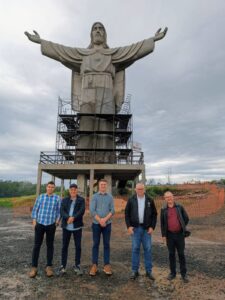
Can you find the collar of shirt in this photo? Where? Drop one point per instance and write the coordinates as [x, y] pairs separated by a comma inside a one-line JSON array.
[[141, 198], [100, 193], [49, 195], [73, 199]]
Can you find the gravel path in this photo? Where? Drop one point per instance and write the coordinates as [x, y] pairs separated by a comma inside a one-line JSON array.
[[205, 262]]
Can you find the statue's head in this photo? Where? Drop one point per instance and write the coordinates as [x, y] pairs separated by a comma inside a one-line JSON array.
[[98, 35]]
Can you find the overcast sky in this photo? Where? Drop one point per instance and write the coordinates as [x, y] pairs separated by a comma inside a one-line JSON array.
[[178, 92]]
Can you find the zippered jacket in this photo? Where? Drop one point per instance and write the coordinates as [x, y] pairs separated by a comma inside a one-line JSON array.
[[131, 213], [78, 211], [182, 216]]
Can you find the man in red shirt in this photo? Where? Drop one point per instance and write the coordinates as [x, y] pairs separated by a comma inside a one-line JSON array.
[[173, 226]]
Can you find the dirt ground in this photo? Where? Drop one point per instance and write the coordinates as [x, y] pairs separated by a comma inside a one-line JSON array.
[[205, 252]]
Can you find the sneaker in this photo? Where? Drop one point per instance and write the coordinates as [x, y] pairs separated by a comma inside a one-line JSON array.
[[78, 270], [171, 276], [33, 272], [107, 269], [184, 278], [150, 276], [134, 275], [61, 271], [93, 270], [49, 271]]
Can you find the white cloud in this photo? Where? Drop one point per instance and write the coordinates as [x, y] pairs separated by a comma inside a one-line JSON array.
[[178, 91]]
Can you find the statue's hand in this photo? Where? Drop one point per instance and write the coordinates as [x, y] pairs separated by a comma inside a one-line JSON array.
[[33, 37], [160, 34]]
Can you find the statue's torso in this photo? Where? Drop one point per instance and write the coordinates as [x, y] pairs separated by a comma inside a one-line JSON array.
[[97, 62]]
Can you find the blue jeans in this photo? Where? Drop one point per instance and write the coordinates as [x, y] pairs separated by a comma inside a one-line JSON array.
[[141, 236], [97, 230]]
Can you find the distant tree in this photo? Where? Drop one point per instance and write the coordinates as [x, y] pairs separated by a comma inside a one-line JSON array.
[[151, 181], [10, 188]]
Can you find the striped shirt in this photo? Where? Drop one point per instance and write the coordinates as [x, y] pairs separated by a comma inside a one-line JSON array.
[[46, 210]]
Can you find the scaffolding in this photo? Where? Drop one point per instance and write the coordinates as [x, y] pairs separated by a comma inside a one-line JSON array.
[[116, 160], [68, 134]]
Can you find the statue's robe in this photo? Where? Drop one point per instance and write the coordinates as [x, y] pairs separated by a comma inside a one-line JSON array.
[[98, 85]]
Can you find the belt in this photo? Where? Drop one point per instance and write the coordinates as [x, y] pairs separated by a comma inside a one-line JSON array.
[[180, 231]]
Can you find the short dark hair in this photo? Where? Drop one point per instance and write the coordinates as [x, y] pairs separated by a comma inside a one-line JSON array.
[[51, 183], [103, 180]]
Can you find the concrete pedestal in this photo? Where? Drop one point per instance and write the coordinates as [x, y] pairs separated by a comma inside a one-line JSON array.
[[91, 172]]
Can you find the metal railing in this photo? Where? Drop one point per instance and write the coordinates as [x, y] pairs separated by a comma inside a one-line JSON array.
[[88, 157]]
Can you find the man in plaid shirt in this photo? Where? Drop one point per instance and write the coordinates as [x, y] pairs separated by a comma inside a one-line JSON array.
[[46, 216]]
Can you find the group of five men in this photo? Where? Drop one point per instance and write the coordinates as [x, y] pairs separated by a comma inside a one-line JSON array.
[[140, 218]]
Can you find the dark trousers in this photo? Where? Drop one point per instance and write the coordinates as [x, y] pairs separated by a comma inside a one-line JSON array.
[[77, 235], [97, 230], [40, 230], [176, 241]]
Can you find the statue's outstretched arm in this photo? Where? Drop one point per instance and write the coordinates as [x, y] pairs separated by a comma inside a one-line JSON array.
[[33, 37], [160, 34]]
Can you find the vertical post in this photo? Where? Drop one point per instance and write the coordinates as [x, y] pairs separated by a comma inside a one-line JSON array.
[[85, 186], [91, 183], [108, 177], [62, 188], [136, 181], [143, 178], [133, 186], [53, 178], [81, 184], [39, 177]]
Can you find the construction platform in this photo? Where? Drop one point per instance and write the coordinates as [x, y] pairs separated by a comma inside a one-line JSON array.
[[119, 162]]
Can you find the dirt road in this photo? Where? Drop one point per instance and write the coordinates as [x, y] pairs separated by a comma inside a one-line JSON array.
[[205, 251]]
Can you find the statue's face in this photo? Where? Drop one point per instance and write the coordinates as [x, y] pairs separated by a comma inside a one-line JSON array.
[[98, 34]]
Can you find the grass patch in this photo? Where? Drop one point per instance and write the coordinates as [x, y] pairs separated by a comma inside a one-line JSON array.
[[17, 201], [6, 202], [154, 191]]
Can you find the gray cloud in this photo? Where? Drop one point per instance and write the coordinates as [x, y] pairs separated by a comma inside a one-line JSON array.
[[178, 91]]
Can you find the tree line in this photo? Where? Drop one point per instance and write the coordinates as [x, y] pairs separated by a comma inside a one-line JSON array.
[[10, 188]]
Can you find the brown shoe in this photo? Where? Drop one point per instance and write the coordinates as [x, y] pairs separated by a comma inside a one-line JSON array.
[[107, 270], [49, 271], [33, 272], [93, 270]]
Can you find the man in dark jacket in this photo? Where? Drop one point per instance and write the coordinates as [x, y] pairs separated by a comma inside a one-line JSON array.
[[173, 226], [141, 217], [72, 211]]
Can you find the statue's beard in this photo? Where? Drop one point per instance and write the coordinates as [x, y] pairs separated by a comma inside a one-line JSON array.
[[98, 39]]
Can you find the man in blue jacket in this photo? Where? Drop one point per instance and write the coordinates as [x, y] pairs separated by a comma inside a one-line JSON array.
[[72, 211], [140, 218]]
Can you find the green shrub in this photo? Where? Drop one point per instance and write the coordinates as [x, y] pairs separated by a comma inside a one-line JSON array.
[[154, 191]]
